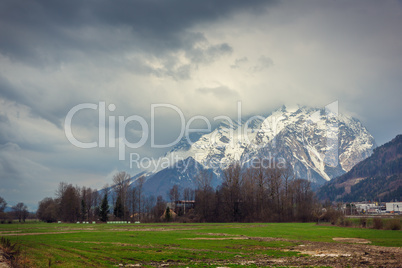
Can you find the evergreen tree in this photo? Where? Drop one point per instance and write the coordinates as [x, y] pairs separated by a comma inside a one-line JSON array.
[[83, 210], [104, 209], [118, 208], [167, 214]]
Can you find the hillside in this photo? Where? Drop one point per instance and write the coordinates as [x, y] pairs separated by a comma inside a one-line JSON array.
[[378, 177]]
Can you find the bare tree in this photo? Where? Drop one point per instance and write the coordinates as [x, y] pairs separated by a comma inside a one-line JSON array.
[[20, 211], [121, 182], [47, 210], [148, 205], [204, 180], [68, 202], [274, 177], [139, 183], [133, 202], [287, 177], [3, 204], [261, 182], [159, 208], [174, 193], [248, 193], [204, 196], [231, 192], [188, 195], [96, 201], [303, 199]]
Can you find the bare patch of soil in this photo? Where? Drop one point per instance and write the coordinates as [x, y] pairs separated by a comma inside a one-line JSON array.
[[6, 232], [351, 240], [108, 243], [20, 234], [361, 255], [217, 238], [153, 229], [77, 229], [339, 254], [219, 234], [347, 252]]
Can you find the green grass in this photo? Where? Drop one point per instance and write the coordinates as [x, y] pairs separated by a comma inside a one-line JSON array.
[[107, 245]]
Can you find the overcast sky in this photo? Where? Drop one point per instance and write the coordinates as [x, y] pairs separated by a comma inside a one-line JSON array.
[[200, 56]]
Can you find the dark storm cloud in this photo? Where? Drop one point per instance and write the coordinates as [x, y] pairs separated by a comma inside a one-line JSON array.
[[30, 29], [45, 34]]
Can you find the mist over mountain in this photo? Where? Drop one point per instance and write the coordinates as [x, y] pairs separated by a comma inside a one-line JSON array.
[[319, 144]]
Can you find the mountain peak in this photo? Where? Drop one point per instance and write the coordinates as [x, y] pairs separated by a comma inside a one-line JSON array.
[[319, 145]]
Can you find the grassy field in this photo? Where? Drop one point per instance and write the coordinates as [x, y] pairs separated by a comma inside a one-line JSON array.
[[186, 245]]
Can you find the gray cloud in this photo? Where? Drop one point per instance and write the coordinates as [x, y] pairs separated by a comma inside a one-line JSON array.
[[51, 34], [264, 62], [33, 96], [239, 62], [35, 28], [195, 54], [209, 54], [4, 119], [8, 91]]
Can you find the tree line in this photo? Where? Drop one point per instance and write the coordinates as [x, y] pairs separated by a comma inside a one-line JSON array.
[[116, 202], [259, 193]]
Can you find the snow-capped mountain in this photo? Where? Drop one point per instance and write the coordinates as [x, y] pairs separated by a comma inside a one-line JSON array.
[[320, 144]]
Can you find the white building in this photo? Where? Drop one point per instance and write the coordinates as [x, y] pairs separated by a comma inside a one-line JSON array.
[[394, 206], [363, 207]]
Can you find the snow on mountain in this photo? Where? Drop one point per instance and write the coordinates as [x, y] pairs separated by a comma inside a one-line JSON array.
[[224, 145], [320, 144]]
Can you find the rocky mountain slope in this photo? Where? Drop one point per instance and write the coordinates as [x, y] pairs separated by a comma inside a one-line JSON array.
[[378, 177], [320, 144]]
